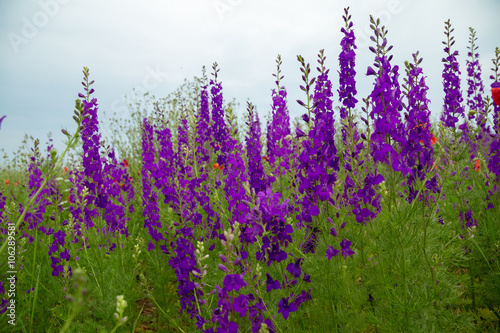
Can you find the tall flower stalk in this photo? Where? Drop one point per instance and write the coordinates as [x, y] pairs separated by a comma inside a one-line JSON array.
[[258, 179], [418, 151], [475, 84], [451, 82], [388, 133], [279, 148]]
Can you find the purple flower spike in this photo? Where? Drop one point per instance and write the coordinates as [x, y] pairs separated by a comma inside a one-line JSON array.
[[451, 83]]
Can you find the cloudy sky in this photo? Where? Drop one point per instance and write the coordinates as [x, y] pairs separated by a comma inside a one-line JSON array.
[[153, 45]]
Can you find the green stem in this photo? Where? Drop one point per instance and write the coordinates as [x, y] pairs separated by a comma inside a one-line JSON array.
[[33, 274]]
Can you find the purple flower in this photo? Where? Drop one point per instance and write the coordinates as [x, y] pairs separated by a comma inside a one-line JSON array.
[[347, 74], [151, 211], [258, 179], [345, 246], [233, 282], [451, 83], [331, 252], [295, 269], [279, 148], [285, 308], [272, 284], [386, 104], [417, 151], [318, 161], [65, 255], [240, 305], [183, 261], [203, 129], [219, 130], [467, 220]]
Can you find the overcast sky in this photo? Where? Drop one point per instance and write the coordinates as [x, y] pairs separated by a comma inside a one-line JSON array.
[[155, 44]]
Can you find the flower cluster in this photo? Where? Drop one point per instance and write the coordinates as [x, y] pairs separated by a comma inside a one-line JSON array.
[[318, 160], [219, 130], [451, 83], [203, 129], [278, 129], [347, 73], [258, 179], [418, 151], [386, 104]]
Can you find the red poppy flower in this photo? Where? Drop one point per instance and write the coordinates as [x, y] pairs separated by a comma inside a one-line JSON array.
[[16, 183], [66, 170], [216, 165], [221, 167], [266, 158], [477, 165], [433, 139], [7, 182], [495, 93], [125, 162]]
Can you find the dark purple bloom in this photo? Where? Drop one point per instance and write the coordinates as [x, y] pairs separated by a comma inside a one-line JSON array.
[[295, 269], [467, 220], [345, 246], [240, 305], [331, 252], [285, 308], [272, 284], [1, 119], [233, 282]]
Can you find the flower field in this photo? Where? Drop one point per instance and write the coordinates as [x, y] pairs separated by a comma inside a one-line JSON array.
[[362, 215]]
